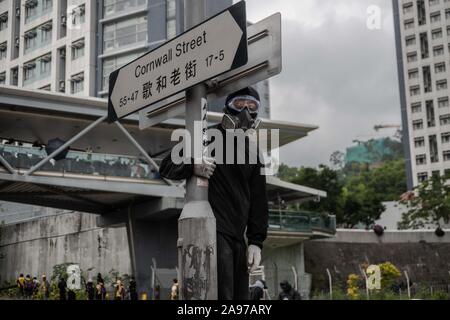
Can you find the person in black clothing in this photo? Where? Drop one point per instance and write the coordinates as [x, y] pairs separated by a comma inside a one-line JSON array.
[[237, 194], [62, 286], [288, 293], [100, 292], [71, 295], [132, 289], [90, 290], [257, 290]]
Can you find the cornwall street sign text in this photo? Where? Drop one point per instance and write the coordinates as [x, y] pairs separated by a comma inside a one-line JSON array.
[[212, 48]]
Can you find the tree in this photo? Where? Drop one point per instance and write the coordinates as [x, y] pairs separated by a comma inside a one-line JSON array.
[[355, 193], [337, 159], [323, 178], [430, 205]]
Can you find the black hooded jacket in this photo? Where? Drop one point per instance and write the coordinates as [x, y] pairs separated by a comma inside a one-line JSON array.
[[237, 194]]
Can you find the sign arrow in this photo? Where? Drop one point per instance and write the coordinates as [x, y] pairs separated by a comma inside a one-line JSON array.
[[212, 48]]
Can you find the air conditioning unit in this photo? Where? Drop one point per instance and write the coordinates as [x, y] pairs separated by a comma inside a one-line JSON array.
[[18, 12], [17, 42], [63, 20], [62, 85], [62, 53]]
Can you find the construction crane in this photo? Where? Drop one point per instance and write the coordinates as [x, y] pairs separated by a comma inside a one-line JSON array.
[[387, 126], [398, 134]]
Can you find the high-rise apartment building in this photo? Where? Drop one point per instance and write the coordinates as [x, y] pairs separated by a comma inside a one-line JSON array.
[[72, 46], [422, 31]]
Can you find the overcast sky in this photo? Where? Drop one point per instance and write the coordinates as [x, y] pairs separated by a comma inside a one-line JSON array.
[[337, 73]]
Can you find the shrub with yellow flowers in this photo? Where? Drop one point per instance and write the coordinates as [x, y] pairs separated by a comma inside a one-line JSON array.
[[389, 275], [353, 286]]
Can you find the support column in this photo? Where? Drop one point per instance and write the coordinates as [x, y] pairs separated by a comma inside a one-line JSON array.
[[197, 256], [148, 239], [304, 279]]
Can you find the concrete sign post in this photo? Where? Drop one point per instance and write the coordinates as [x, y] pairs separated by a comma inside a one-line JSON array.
[[207, 50], [197, 253]]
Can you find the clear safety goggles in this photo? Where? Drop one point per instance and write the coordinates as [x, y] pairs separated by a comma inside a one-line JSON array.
[[240, 102]]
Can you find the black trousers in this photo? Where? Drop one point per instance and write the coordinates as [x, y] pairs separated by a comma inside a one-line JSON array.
[[232, 275]]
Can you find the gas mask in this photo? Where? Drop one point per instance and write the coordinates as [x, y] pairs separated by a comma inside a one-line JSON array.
[[241, 113]]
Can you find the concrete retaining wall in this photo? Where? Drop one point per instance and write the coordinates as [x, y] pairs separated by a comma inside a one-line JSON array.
[[422, 254], [34, 247]]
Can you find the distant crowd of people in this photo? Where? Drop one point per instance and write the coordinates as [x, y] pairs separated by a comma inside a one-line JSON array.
[[258, 289], [30, 288]]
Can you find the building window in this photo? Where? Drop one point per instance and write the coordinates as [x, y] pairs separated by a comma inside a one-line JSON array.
[[434, 2], [3, 21], [434, 155], [77, 49], [431, 122], [446, 155], [45, 65], [31, 9], [422, 177], [419, 142], [77, 83], [421, 12], [436, 174], [413, 74], [438, 50], [172, 21], [443, 102], [408, 8], [111, 64], [3, 50], [30, 40], [14, 76], [447, 173], [125, 33], [445, 119], [436, 34], [414, 91], [416, 107], [421, 159], [29, 72], [435, 17], [79, 15], [411, 57], [38, 37], [439, 67], [47, 5], [441, 85], [111, 7], [417, 124], [409, 24], [46, 32], [3, 78], [445, 137], [447, 14]]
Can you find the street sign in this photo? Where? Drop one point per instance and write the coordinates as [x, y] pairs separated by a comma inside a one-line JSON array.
[[207, 50], [264, 61]]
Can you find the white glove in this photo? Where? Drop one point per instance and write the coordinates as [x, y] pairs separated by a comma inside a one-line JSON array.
[[253, 257], [205, 169]]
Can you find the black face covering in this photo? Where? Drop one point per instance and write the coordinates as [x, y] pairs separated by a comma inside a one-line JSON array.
[[239, 120]]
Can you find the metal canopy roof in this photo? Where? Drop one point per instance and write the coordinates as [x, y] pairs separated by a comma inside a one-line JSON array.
[[28, 115], [290, 192], [87, 195]]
